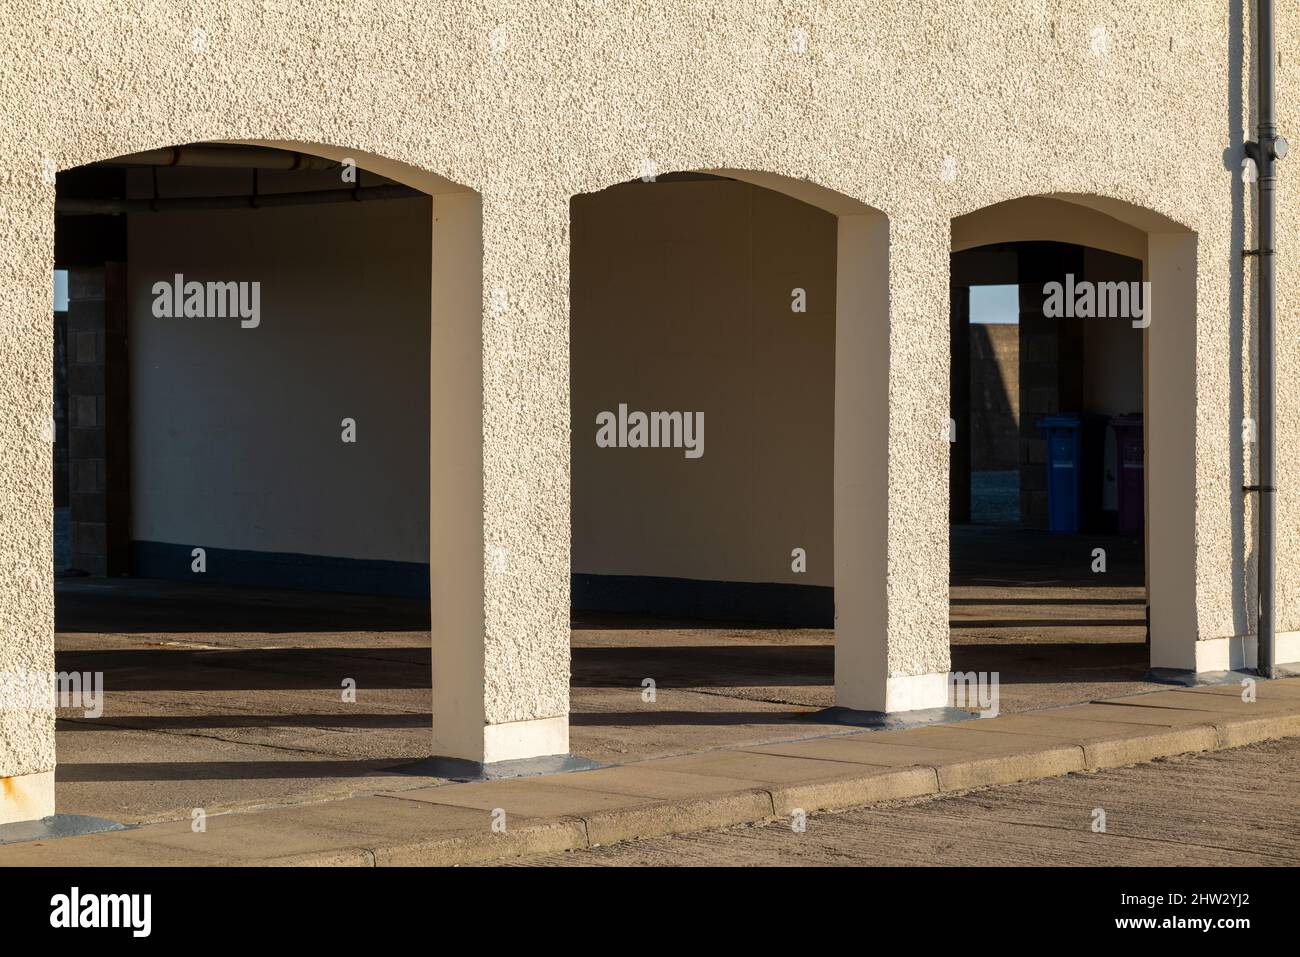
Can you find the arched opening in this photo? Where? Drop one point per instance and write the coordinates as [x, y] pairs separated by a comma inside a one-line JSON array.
[[261, 434], [729, 351], [1073, 338]]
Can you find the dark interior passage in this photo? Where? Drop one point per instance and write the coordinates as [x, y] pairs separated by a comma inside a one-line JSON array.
[[269, 406], [1014, 369], [1046, 471]]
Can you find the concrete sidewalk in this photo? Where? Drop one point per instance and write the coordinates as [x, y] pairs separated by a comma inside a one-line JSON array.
[[479, 822]]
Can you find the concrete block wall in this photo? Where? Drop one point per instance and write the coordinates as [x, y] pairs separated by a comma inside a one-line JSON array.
[[98, 417], [995, 399]]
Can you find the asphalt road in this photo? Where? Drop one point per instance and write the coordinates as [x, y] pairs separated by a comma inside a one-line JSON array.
[[1237, 807]]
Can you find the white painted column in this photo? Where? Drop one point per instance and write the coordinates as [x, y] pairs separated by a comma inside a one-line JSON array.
[[456, 477], [1172, 402], [891, 465]]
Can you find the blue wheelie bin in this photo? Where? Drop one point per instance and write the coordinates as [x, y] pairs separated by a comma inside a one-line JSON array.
[[1064, 470]]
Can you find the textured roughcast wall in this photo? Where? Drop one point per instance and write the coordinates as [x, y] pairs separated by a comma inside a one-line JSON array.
[[681, 301], [924, 111]]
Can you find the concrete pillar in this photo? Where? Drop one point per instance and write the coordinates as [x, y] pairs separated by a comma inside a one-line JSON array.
[[62, 359], [26, 515], [99, 435], [891, 464], [959, 446], [499, 515], [1170, 435]]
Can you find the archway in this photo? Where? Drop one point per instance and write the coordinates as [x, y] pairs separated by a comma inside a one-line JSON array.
[[1070, 400], [729, 360], [272, 431]]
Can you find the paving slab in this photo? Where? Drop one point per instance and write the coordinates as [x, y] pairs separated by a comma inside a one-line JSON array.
[[1003, 758], [966, 738], [1128, 713], [257, 837], [772, 769], [378, 817], [147, 777], [368, 821], [656, 782], [394, 832], [859, 749], [1108, 744], [127, 849], [1264, 690], [1046, 724], [1191, 700], [360, 832], [540, 797]]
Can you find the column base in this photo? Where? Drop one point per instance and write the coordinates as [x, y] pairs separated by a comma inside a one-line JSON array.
[[1187, 678], [899, 693], [1233, 653], [540, 737], [491, 744], [26, 797], [59, 825]]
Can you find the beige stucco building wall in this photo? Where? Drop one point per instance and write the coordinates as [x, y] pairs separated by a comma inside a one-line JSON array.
[[922, 112]]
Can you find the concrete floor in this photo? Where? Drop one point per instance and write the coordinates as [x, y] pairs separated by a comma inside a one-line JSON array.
[[1223, 808], [222, 698]]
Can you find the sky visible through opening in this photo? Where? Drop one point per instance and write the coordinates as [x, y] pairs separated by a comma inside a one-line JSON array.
[[60, 290], [995, 305]]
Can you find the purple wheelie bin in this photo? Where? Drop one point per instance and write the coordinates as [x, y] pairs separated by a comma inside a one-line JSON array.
[[1130, 462]]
